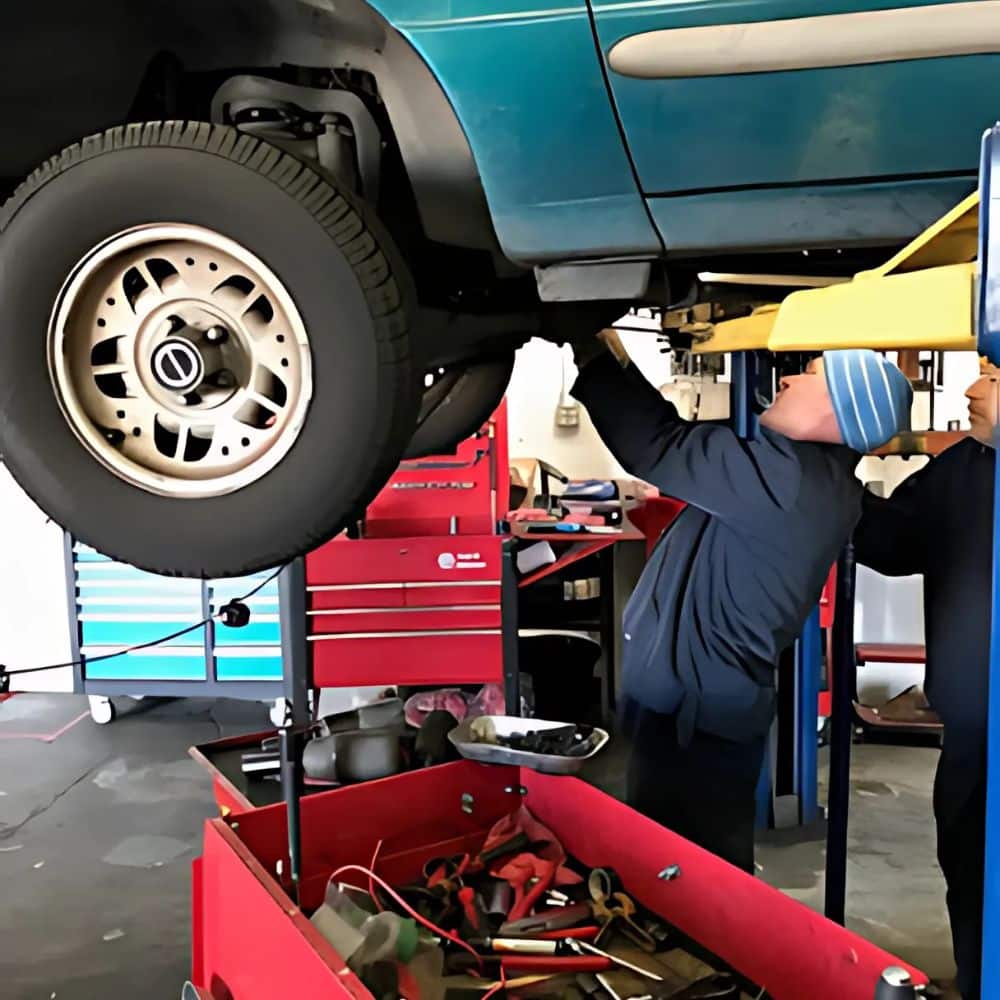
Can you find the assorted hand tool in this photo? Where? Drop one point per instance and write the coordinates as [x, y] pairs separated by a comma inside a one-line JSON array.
[[517, 911]]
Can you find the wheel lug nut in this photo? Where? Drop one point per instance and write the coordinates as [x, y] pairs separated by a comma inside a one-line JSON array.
[[217, 334]]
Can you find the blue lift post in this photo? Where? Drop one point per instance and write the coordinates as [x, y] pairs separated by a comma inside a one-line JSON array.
[[808, 661], [989, 346], [742, 374], [808, 649]]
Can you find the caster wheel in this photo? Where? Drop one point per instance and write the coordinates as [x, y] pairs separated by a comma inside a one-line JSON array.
[[278, 713], [823, 736], [103, 711]]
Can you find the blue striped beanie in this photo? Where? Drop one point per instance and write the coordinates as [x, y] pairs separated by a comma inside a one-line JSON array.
[[871, 397]]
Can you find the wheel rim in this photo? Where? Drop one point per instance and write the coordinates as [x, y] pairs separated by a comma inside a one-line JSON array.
[[180, 361]]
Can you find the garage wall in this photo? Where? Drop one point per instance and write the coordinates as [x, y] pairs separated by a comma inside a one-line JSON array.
[[34, 607]]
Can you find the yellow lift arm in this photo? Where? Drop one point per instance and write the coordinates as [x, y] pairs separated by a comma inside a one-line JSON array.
[[924, 297]]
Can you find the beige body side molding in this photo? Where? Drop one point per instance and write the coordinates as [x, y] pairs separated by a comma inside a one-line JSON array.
[[855, 39]]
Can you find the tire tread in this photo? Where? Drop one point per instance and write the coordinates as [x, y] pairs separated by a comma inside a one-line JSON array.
[[348, 222]]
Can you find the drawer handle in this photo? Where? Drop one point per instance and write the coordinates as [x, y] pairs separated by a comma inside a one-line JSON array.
[[403, 635], [316, 588], [395, 611]]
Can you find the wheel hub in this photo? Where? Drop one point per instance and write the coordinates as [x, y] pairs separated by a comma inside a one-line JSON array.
[[180, 361], [177, 365]]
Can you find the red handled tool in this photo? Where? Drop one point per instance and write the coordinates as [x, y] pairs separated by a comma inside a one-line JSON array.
[[470, 907], [555, 965], [571, 934]]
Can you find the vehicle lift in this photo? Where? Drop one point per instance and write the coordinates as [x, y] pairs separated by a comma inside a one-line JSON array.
[[940, 292]]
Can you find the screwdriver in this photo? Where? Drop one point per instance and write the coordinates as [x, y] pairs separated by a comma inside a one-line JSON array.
[[585, 946]]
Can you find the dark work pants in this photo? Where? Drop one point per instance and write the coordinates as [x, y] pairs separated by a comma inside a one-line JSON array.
[[960, 812], [705, 791]]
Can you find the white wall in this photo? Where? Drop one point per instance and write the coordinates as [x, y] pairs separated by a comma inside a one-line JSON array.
[[34, 611]]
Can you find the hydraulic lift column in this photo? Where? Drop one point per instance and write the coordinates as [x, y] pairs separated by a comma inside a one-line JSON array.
[[989, 345]]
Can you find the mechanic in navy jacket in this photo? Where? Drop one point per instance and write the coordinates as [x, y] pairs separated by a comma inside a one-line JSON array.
[[939, 523], [733, 579]]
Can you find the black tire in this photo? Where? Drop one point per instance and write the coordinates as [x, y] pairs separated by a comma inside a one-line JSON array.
[[457, 404], [340, 268]]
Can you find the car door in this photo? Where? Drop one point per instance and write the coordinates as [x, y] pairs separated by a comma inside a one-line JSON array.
[[721, 100]]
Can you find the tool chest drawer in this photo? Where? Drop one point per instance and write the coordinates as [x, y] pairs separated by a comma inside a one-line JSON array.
[[154, 664], [273, 951], [429, 657], [264, 628], [345, 621], [405, 611], [405, 562]]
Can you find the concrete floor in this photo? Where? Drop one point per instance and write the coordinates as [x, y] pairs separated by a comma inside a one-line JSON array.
[[98, 829], [895, 891], [97, 833]]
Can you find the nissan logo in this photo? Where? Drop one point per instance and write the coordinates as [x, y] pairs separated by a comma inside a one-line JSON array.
[[177, 365]]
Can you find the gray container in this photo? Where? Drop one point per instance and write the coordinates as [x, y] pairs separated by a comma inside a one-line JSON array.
[[507, 725]]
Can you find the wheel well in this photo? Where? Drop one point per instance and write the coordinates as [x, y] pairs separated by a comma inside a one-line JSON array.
[[110, 64]]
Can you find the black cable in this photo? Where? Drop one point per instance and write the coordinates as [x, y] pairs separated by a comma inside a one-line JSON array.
[[5, 673]]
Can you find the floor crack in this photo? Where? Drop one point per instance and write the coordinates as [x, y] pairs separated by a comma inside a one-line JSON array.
[[8, 831], [218, 725]]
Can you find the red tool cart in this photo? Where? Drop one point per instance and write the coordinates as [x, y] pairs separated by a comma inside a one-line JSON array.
[[252, 942]]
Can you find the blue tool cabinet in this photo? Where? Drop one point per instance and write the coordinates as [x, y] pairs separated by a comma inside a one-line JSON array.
[[115, 606]]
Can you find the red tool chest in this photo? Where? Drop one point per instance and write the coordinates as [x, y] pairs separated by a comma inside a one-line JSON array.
[[253, 943], [406, 611], [417, 599]]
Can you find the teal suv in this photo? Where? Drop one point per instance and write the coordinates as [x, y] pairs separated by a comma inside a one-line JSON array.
[[254, 252]]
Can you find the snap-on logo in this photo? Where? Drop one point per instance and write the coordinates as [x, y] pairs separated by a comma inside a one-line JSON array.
[[463, 560]]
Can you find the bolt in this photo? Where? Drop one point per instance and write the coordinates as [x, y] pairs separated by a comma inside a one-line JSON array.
[[670, 873], [217, 334]]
